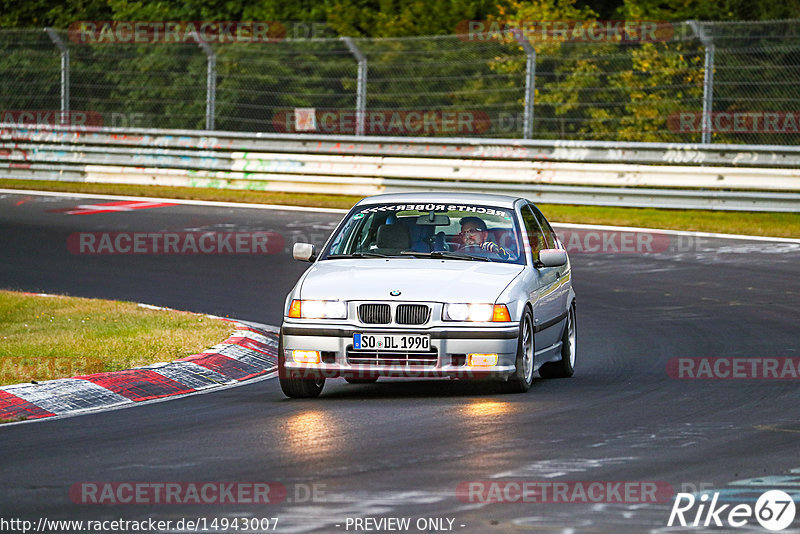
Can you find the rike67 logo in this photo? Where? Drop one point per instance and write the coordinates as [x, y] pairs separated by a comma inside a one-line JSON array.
[[774, 510]]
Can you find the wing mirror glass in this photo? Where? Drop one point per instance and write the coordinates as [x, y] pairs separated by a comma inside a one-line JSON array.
[[552, 257], [304, 252]]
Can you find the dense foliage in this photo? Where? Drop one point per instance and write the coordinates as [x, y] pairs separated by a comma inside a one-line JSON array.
[[381, 18], [583, 90]]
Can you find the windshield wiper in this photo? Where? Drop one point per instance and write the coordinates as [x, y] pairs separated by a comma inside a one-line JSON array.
[[442, 254], [358, 255]]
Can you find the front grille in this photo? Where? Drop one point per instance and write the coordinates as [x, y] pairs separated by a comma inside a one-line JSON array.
[[412, 314], [375, 313], [403, 359]]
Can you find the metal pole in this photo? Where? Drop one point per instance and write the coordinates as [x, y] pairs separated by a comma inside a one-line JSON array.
[[530, 85], [211, 91], [708, 92], [64, 74], [211, 82], [361, 89], [708, 80]]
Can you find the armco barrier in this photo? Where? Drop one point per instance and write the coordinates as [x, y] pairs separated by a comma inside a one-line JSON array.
[[727, 177]]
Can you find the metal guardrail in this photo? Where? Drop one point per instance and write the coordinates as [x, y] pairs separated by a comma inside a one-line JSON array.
[[729, 177]]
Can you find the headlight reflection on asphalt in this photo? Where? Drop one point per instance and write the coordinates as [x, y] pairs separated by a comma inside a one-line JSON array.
[[314, 431], [487, 408]]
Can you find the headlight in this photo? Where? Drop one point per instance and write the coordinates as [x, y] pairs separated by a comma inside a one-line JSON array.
[[318, 309], [482, 313]]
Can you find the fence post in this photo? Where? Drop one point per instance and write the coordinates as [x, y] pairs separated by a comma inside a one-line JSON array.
[[64, 73], [211, 82], [361, 89], [708, 79], [530, 85]]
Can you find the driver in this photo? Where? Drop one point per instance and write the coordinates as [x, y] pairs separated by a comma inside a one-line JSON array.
[[475, 234]]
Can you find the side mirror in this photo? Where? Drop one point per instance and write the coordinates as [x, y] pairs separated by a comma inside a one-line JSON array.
[[304, 252], [552, 257]]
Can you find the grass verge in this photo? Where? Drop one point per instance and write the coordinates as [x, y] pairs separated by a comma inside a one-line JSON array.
[[746, 223], [44, 338]]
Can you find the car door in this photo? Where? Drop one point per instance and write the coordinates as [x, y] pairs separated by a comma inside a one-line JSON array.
[[564, 272], [544, 287]]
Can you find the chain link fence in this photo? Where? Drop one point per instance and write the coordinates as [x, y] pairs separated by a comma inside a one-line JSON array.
[[735, 82]]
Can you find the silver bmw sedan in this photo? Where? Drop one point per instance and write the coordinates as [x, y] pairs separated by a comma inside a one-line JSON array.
[[431, 285]]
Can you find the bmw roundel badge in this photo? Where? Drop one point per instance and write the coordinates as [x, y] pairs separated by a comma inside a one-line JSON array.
[[394, 292]]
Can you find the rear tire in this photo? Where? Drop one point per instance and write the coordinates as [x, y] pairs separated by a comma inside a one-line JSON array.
[[297, 388], [522, 379], [566, 367]]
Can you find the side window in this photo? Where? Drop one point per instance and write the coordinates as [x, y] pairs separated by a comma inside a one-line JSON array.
[[535, 236], [549, 234]]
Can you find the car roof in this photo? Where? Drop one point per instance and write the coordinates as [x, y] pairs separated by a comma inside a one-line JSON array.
[[501, 201]]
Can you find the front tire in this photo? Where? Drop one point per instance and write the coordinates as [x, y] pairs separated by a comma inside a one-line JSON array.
[[294, 387], [522, 379], [566, 367]]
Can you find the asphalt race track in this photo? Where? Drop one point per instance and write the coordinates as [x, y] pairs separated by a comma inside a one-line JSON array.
[[401, 449]]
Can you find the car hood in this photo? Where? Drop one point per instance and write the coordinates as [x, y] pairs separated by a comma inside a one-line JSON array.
[[416, 280]]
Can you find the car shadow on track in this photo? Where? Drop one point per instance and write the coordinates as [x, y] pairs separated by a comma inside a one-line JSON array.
[[388, 389]]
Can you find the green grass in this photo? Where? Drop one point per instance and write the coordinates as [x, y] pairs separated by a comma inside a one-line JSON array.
[[43, 338], [747, 223]]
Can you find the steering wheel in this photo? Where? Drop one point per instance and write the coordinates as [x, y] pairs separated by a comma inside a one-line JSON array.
[[499, 252], [431, 242]]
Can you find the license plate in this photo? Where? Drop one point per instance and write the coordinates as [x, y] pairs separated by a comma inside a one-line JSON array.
[[391, 342]]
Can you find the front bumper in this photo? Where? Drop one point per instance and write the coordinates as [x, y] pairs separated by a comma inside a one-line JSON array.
[[447, 357]]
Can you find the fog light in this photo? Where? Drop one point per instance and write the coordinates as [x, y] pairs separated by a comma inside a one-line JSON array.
[[305, 356], [482, 360]]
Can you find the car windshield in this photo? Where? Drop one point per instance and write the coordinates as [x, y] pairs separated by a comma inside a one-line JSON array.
[[440, 231]]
